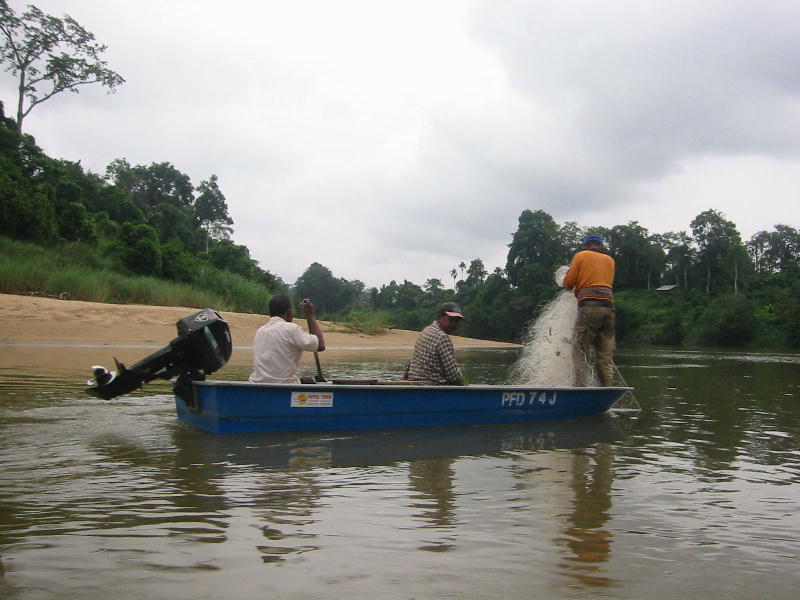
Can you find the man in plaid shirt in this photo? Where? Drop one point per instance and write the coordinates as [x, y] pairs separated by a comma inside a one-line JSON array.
[[434, 357]]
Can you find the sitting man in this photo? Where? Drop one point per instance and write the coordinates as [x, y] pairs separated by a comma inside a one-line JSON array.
[[279, 344], [434, 357]]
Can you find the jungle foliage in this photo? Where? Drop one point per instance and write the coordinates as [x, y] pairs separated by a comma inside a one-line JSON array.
[[137, 221], [716, 289], [147, 227]]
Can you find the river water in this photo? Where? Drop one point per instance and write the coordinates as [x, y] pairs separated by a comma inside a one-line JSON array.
[[697, 495]]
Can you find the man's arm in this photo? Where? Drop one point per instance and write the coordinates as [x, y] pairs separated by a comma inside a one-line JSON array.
[[313, 325], [447, 355], [571, 278]]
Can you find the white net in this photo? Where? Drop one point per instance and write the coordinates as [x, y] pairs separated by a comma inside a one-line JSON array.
[[547, 359]]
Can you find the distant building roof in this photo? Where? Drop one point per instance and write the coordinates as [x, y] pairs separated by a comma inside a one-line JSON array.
[[666, 288]]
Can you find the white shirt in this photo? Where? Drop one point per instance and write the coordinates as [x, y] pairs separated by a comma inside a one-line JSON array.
[[277, 349]]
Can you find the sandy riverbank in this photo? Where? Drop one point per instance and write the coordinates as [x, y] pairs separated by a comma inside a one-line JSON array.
[[27, 320]]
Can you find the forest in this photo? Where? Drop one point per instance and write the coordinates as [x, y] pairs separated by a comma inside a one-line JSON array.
[[146, 234], [150, 224]]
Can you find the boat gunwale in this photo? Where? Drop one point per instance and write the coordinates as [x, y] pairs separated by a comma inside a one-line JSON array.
[[401, 386]]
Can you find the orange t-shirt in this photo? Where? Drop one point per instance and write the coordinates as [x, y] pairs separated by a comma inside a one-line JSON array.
[[590, 268]]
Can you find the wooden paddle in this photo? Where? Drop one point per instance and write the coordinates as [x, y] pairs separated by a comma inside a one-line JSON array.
[[319, 376]]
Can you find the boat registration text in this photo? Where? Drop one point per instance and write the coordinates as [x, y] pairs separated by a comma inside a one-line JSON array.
[[520, 399]]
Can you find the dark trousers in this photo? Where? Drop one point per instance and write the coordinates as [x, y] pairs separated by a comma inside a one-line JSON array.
[[594, 328]]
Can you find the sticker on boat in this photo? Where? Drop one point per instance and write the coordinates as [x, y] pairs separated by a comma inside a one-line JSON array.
[[312, 399]]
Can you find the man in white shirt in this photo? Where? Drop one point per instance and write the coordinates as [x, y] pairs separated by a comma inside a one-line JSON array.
[[279, 344]]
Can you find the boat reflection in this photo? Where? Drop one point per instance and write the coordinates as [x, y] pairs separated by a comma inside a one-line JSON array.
[[309, 450]]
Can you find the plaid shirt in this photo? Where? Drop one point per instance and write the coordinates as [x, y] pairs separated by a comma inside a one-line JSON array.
[[434, 357]]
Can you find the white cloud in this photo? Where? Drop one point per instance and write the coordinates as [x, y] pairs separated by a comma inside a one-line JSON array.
[[395, 140]]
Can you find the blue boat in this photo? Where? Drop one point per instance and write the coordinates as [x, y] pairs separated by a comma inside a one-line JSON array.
[[204, 345], [242, 407]]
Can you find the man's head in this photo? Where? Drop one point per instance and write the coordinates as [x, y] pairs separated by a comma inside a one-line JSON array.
[[449, 317], [280, 305], [592, 242]]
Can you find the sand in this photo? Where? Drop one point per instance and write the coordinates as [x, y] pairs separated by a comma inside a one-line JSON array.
[[35, 320]]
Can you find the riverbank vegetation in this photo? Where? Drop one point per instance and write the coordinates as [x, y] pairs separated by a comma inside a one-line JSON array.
[[145, 234]]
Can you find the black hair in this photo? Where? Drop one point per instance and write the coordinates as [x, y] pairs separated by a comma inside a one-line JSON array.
[[279, 305]]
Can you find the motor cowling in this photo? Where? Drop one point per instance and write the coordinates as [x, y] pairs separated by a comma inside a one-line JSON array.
[[203, 346]]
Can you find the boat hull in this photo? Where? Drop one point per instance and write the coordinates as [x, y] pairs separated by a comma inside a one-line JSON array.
[[240, 407]]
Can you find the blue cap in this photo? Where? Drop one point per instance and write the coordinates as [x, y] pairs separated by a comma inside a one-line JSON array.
[[592, 238]]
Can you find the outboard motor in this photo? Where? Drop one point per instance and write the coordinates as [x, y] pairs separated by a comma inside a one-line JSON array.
[[203, 346]]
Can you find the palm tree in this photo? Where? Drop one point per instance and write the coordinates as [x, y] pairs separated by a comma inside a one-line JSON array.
[[454, 274], [462, 266]]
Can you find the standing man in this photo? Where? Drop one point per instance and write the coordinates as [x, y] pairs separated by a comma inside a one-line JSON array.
[[591, 277], [279, 344], [434, 357]]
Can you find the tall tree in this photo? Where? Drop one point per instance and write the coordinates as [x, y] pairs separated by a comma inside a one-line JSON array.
[[638, 256], [211, 210], [318, 283], [720, 249], [48, 56], [537, 245], [162, 183], [121, 174], [776, 251], [476, 273], [433, 286], [679, 256], [233, 257], [140, 250], [149, 186]]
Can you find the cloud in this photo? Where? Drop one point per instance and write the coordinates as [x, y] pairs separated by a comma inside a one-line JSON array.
[[395, 140], [652, 85]]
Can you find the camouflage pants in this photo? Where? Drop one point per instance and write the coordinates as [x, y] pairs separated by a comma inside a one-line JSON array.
[[594, 328]]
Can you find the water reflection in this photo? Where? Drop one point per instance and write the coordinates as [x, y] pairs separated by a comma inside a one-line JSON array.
[[589, 542], [122, 495]]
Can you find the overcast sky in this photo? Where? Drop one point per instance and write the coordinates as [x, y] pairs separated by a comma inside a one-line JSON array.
[[394, 140]]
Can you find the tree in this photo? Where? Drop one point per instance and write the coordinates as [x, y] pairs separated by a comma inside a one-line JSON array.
[[776, 251], [408, 294], [211, 210], [536, 242], [433, 286], [48, 56], [638, 257], [350, 293], [679, 256], [75, 224], [476, 273], [730, 321], [454, 274], [172, 222], [161, 183], [571, 234], [720, 249], [140, 250], [121, 174], [318, 283], [232, 257]]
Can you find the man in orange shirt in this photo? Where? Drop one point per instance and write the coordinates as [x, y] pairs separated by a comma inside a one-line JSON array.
[[591, 277]]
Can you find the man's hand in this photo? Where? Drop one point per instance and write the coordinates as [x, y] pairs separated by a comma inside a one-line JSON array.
[[313, 324], [308, 309]]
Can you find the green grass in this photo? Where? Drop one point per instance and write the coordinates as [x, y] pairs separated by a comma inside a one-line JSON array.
[[81, 273], [369, 322]]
